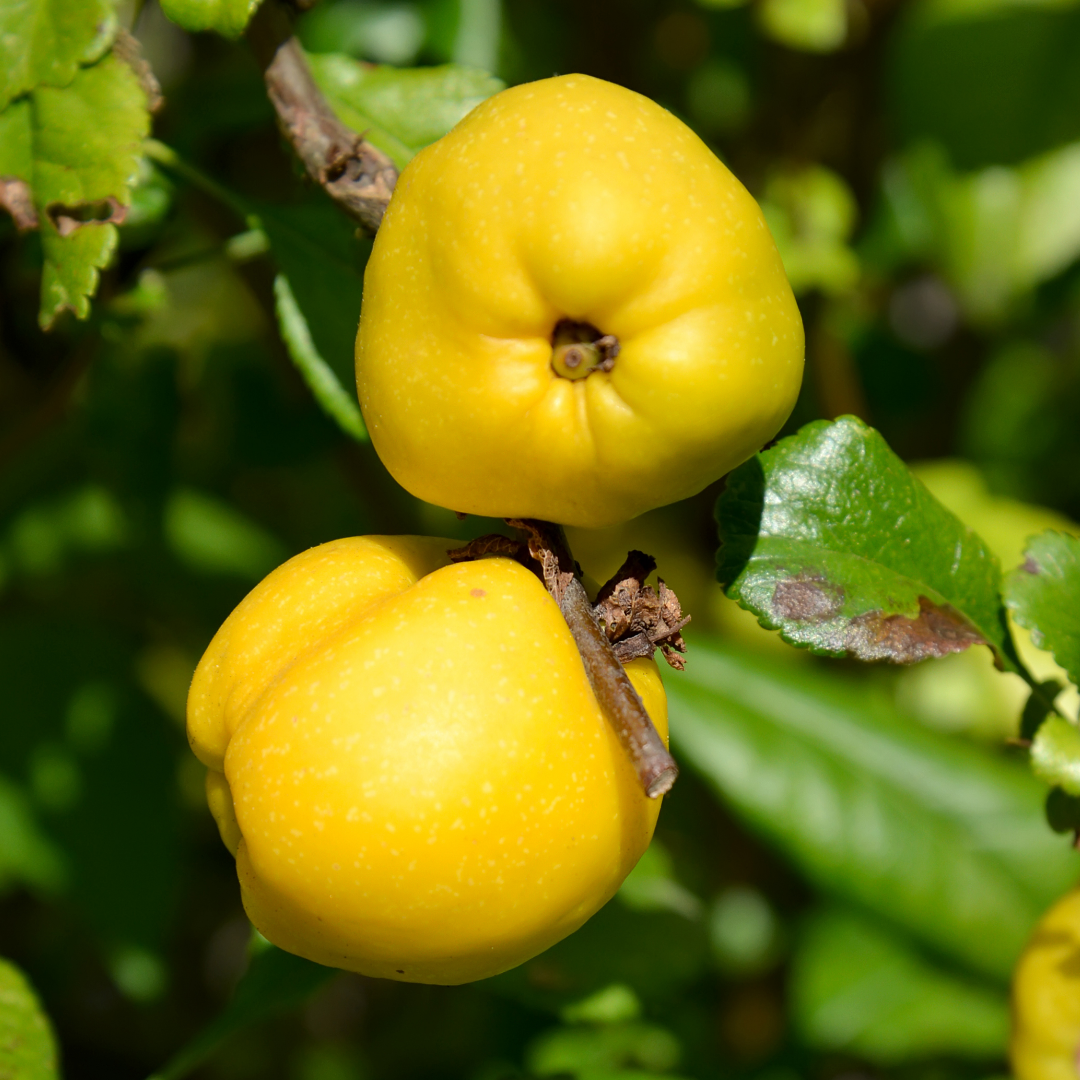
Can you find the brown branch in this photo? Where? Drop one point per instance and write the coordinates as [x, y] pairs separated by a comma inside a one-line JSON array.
[[357, 176], [614, 692]]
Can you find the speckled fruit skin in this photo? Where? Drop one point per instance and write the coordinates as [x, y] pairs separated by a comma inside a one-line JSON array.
[[409, 765], [1046, 997], [572, 198]]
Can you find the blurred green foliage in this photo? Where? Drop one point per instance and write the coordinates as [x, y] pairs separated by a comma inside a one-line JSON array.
[[852, 857]]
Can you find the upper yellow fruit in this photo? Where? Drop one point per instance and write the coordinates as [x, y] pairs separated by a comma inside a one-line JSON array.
[[1046, 997], [408, 763], [557, 211]]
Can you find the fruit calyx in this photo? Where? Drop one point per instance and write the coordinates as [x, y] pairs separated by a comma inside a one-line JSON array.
[[629, 620], [578, 349]]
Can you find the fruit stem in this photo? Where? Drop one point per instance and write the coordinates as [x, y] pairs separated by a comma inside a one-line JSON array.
[[357, 176], [614, 692], [616, 695]]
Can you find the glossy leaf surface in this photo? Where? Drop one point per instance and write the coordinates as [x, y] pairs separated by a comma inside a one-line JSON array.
[[932, 834], [829, 538]]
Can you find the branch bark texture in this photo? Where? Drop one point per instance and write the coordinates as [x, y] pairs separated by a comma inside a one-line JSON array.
[[356, 175], [614, 691]]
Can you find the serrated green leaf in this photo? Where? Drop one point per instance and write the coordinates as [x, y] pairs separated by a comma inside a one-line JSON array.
[[27, 1045], [316, 372], [1055, 754], [860, 988], [1044, 596], [227, 17], [16, 144], [936, 836], [43, 42], [275, 982], [400, 110], [86, 141], [829, 538]]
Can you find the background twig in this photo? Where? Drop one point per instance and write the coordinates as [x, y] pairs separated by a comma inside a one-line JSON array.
[[357, 176]]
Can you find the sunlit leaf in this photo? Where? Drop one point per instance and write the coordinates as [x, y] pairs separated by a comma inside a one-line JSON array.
[[934, 835], [829, 538], [859, 988], [1055, 754], [1044, 595], [810, 25], [27, 1045], [43, 42], [78, 150], [228, 17], [401, 110]]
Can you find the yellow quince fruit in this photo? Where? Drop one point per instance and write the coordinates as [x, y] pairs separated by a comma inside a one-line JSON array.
[[407, 761], [1046, 997], [573, 311]]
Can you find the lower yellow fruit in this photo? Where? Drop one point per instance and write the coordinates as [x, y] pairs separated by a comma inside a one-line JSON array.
[[1046, 997], [407, 761]]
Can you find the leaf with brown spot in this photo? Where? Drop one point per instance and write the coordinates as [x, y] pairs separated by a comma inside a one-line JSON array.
[[830, 539]]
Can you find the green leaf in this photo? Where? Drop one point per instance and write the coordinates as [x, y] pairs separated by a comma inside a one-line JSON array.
[[87, 142], [27, 1045], [810, 25], [275, 982], [935, 835], [227, 17], [27, 856], [859, 988], [829, 538], [16, 141], [43, 42], [335, 400], [78, 149], [400, 110], [317, 250], [1055, 754], [1044, 596]]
